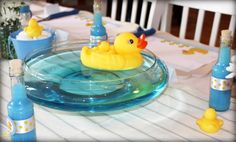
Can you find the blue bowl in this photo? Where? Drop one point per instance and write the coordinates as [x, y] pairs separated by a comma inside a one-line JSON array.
[[24, 47]]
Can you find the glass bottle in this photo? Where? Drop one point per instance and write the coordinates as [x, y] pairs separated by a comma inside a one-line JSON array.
[[98, 31], [20, 108], [25, 15], [220, 91]]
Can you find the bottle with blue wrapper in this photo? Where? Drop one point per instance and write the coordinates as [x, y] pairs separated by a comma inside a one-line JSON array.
[[220, 91], [20, 120], [25, 15], [98, 31]]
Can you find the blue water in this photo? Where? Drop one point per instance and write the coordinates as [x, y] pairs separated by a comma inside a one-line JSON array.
[[62, 82], [98, 29]]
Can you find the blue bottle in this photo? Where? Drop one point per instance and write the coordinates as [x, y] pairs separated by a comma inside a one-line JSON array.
[[98, 31], [20, 108], [25, 15], [220, 91]]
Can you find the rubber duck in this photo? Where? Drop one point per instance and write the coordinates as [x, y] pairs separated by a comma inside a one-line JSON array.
[[33, 29], [125, 54], [209, 122]]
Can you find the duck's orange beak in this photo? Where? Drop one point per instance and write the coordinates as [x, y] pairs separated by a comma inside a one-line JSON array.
[[142, 43]]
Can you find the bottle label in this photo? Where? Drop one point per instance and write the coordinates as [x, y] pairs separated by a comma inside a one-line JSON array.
[[221, 84], [94, 40], [21, 126]]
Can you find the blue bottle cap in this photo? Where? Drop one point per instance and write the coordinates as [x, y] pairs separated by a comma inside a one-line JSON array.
[[25, 9]]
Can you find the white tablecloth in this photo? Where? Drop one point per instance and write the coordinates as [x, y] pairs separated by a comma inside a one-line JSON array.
[[170, 117]]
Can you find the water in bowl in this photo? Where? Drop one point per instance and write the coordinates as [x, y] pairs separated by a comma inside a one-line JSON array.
[[61, 81]]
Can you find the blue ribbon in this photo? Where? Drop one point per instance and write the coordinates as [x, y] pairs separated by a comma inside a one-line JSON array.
[[148, 32]]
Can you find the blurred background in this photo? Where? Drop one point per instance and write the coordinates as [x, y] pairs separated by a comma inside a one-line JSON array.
[[175, 25]]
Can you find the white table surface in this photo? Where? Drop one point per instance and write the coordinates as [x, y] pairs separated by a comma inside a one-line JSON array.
[[170, 117]]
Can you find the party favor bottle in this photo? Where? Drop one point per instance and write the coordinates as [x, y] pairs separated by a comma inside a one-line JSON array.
[[20, 108], [220, 91], [98, 31], [25, 15]]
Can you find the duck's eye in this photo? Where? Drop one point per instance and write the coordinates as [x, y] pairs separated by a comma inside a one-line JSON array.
[[131, 41]]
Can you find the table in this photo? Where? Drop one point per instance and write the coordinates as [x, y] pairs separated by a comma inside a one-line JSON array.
[[170, 117]]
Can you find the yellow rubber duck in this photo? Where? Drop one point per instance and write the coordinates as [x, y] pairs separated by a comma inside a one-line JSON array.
[[209, 123], [33, 29], [123, 55]]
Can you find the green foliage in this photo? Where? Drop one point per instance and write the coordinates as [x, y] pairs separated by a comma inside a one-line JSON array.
[[9, 22]]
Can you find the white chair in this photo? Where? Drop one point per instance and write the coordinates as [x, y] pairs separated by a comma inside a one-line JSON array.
[[218, 7], [153, 20]]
